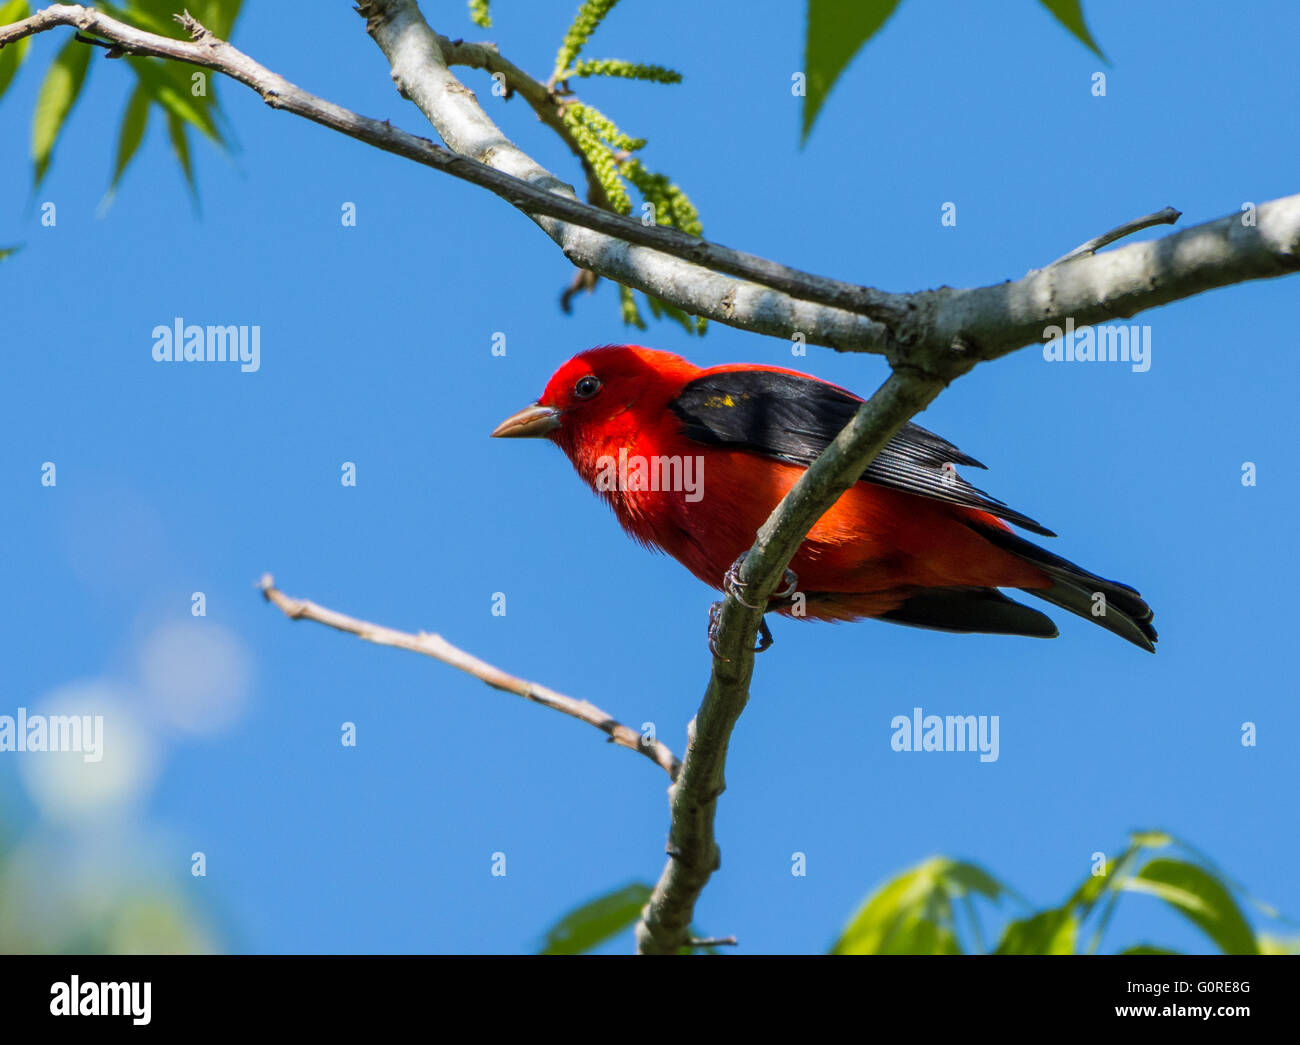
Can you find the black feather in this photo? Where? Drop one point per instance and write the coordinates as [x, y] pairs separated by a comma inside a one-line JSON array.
[[1075, 589], [984, 610], [794, 418]]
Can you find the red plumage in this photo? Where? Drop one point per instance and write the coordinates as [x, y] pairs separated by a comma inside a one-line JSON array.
[[911, 542]]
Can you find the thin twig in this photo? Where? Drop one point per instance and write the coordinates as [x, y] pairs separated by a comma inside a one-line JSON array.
[[1167, 216], [544, 196], [930, 337], [940, 333], [916, 331], [438, 648], [714, 941], [540, 98], [419, 67]]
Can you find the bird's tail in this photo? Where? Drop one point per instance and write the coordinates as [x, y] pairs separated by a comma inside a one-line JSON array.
[[1115, 606]]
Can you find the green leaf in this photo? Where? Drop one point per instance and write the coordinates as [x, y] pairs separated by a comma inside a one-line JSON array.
[[1148, 948], [168, 85], [158, 16], [181, 146], [480, 13], [59, 92], [836, 32], [131, 133], [1201, 898], [918, 934], [1048, 932], [627, 306], [1096, 886], [871, 927], [659, 309], [585, 22], [9, 252], [912, 914], [143, 15], [1070, 14], [595, 922], [218, 15], [12, 56], [971, 879], [618, 68]]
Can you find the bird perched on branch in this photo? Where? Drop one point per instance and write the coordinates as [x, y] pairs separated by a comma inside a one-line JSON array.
[[693, 461]]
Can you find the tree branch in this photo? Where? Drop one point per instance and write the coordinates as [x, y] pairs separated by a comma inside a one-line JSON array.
[[683, 270], [693, 853], [440, 649], [1146, 268], [930, 338], [540, 98], [420, 70], [1165, 216], [939, 332], [993, 321]]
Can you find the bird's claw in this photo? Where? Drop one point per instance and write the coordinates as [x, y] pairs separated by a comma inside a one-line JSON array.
[[715, 616], [791, 580], [765, 639], [735, 587]]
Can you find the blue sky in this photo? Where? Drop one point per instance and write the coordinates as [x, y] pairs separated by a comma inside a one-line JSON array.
[[376, 349]]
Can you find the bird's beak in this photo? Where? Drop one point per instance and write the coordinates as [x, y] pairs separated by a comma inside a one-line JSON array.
[[532, 422]]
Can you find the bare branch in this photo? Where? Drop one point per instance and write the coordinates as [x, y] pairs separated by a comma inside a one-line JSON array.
[[440, 649], [993, 321], [1141, 269], [693, 853], [683, 270], [1166, 216], [940, 332], [930, 338], [540, 98], [420, 70]]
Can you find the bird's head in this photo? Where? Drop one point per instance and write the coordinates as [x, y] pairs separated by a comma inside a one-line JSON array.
[[601, 396]]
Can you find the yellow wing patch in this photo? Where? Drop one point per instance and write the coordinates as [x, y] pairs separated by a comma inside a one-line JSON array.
[[717, 402]]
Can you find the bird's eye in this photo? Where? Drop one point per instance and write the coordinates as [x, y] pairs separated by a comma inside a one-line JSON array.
[[587, 386]]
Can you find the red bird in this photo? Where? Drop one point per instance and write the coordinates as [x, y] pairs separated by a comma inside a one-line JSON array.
[[693, 461]]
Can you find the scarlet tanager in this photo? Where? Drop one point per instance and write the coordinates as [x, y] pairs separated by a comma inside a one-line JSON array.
[[693, 461]]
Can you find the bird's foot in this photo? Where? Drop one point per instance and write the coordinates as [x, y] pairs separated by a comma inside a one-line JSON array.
[[735, 587], [791, 580], [715, 618], [765, 639]]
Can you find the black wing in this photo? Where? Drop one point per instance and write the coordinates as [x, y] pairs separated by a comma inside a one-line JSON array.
[[794, 418]]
